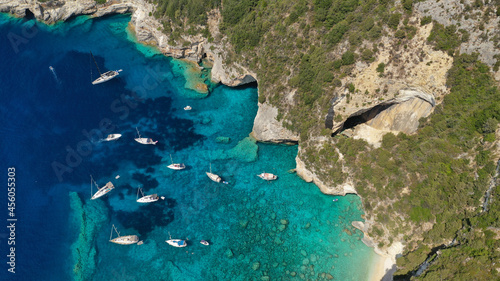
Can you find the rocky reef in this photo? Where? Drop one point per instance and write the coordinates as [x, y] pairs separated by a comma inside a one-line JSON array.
[[87, 218]]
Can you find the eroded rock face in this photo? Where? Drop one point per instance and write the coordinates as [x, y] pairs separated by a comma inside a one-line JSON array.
[[452, 12], [267, 129], [402, 117]]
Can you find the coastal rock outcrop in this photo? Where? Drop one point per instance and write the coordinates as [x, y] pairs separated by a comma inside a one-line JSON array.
[[267, 128], [49, 12], [342, 189]]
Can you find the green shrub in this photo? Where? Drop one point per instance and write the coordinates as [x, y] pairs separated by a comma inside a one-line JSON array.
[[394, 21], [348, 58], [381, 68], [400, 34], [444, 38]]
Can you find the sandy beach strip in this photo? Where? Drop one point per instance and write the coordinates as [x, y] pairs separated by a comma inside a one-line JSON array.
[[379, 268]]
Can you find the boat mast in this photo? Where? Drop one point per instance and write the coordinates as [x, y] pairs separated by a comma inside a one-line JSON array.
[[111, 235], [139, 189], [91, 182], [138, 132], [171, 159], [96, 64]]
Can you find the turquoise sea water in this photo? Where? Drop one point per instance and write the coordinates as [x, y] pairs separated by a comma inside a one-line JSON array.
[[258, 230]]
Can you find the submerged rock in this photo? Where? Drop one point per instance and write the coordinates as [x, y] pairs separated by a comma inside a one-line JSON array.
[[256, 266], [244, 223], [282, 227], [229, 253], [223, 139]]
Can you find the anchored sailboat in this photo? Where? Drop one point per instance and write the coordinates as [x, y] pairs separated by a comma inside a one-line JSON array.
[[147, 198], [106, 76], [123, 240], [179, 243], [100, 191], [267, 176], [175, 166], [144, 140], [214, 177]]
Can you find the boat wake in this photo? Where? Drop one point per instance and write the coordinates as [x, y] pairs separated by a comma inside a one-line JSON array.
[[54, 74]]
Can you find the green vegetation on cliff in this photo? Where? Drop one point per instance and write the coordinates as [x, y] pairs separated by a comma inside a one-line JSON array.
[[431, 182], [437, 176]]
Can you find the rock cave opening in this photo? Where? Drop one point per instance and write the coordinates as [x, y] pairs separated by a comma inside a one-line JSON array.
[[362, 117], [29, 14], [252, 84]]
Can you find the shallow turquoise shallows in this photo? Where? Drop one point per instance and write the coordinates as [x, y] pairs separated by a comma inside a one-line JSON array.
[[53, 119]]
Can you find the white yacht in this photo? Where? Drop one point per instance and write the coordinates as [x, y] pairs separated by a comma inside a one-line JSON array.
[[144, 140], [147, 198], [122, 240], [100, 191], [267, 176], [179, 243], [112, 137], [106, 76], [175, 166]]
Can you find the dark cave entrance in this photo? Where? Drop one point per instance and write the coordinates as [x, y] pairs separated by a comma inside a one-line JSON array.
[[362, 117], [28, 14]]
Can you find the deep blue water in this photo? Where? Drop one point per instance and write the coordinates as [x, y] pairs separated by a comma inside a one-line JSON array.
[[51, 123]]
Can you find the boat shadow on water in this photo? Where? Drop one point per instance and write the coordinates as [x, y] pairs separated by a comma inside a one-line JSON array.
[[149, 216]]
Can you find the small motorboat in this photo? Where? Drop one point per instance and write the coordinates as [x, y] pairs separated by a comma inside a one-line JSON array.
[[188, 108], [267, 176], [112, 137], [335, 200], [204, 242]]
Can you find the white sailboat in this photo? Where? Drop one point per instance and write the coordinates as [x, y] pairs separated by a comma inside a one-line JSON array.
[[267, 176], [179, 243], [147, 198], [123, 240], [106, 76], [175, 166], [144, 140], [100, 191], [112, 137], [214, 177]]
